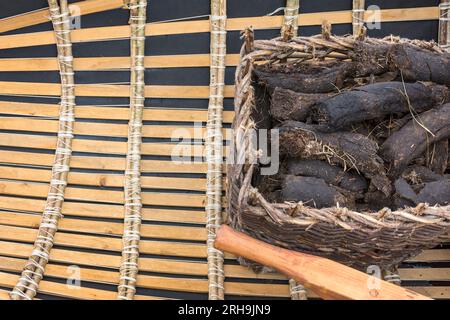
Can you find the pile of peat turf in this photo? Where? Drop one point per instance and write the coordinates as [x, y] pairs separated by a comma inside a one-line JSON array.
[[365, 134]]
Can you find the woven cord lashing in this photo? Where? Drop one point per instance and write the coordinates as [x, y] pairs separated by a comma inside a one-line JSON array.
[[33, 272], [392, 276], [214, 145], [132, 184], [289, 28], [358, 16], [444, 24], [298, 292]]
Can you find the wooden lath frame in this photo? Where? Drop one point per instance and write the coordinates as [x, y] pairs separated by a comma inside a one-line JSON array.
[[41, 16]]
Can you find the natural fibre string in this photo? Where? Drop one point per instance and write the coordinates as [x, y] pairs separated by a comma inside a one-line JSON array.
[[132, 185]]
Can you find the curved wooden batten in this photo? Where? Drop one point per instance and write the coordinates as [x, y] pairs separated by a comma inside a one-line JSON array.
[[214, 146], [33, 271], [132, 183]]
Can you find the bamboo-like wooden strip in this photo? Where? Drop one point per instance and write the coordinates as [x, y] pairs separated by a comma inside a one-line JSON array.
[[113, 63], [92, 210], [195, 131], [62, 290], [20, 227], [155, 282], [169, 266], [358, 16], [109, 113], [41, 16], [35, 189], [432, 256], [115, 229], [425, 274], [102, 180], [26, 232], [106, 147], [235, 24], [101, 163], [108, 90]]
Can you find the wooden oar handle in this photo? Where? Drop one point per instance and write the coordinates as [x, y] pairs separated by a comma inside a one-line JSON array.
[[327, 278]]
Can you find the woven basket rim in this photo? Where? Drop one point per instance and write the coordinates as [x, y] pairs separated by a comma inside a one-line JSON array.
[[243, 197]]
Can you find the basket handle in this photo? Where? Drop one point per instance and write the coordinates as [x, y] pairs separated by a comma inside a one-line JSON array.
[[327, 278]]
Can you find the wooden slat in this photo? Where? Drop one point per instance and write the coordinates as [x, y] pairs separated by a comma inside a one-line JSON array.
[[169, 266], [28, 230], [102, 180], [62, 290], [101, 163], [35, 189], [98, 146], [42, 16], [109, 90], [115, 229], [425, 274], [109, 113], [432, 256], [108, 63], [154, 282], [103, 211], [105, 129], [234, 24]]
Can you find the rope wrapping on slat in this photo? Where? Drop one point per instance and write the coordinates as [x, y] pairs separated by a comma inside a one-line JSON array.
[[214, 145], [393, 277], [298, 292], [289, 28], [33, 272], [358, 16], [132, 180], [444, 24]]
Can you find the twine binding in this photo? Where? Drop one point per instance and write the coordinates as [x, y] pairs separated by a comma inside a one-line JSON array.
[[358, 16], [132, 186], [214, 145], [289, 28], [33, 272]]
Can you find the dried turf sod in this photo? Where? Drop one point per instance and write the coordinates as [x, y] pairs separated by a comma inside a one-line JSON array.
[[421, 174], [417, 64], [330, 174], [404, 191], [347, 149], [378, 100], [290, 105], [314, 79], [313, 191], [412, 140], [437, 156], [437, 192]]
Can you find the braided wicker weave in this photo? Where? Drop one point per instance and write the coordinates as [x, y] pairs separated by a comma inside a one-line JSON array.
[[384, 238]]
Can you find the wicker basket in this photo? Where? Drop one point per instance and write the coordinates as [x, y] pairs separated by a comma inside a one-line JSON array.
[[385, 238]]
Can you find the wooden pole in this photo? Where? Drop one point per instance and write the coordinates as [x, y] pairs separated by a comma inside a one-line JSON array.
[[33, 272], [214, 146], [290, 20], [358, 16], [327, 278], [132, 180], [444, 24]]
